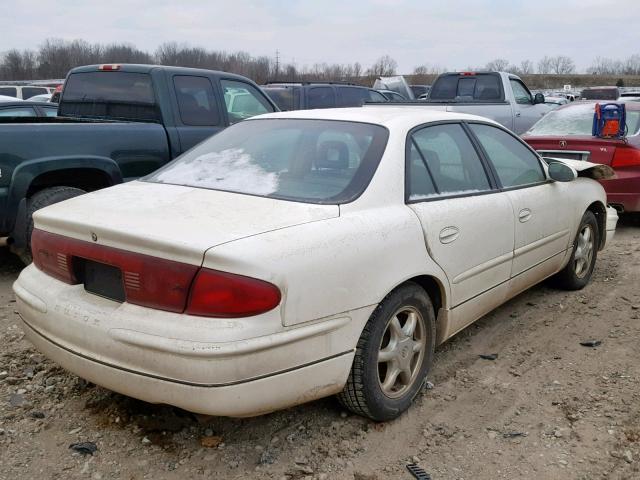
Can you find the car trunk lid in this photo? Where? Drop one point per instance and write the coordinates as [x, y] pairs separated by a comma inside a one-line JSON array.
[[585, 148], [170, 221]]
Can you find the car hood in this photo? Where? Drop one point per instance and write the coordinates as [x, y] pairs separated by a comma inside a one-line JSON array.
[[171, 221]]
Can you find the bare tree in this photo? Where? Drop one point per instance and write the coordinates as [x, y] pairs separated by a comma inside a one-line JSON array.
[[497, 65], [429, 69], [384, 66], [526, 67]]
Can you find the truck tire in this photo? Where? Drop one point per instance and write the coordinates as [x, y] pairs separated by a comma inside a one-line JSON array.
[[41, 199]]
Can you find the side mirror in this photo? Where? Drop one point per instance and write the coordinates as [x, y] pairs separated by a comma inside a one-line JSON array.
[[561, 172], [538, 98]]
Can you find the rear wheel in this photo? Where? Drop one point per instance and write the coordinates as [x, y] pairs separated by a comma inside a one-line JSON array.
[[577, 273], [41, 199], [393, 355]]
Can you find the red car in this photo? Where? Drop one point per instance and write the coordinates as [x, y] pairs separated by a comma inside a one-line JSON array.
[[566, 133]]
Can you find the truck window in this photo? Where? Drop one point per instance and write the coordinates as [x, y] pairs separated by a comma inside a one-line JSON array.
[[520, 92], [196, 101], [287, 98], [321, 97], [243, 100], [28, 92], [9, 91], [107, 94], [463, 88], [352, 96]]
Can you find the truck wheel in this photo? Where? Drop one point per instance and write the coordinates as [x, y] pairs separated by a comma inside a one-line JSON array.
[[393, 355], [41, 199], [577, 273]]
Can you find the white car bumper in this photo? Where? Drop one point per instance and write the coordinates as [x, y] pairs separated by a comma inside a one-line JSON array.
[[227, 367]]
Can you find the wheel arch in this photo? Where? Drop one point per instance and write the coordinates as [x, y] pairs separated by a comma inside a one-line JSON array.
[[600, 212]]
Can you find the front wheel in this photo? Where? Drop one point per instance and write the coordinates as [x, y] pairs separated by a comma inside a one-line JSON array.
[[577, 273], [393, 355]]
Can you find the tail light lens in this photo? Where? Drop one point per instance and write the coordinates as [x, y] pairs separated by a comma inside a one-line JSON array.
[[221, 294], [158, 283], [626, 157]]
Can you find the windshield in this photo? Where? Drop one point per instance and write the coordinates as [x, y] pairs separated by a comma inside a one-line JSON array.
[[314, 161], [577, 119]]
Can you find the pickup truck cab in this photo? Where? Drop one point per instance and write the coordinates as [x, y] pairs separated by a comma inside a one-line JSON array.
[[500, 96], [115, 123], [312, 95]]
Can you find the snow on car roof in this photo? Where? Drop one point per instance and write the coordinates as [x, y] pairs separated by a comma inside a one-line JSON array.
[[406, 116]]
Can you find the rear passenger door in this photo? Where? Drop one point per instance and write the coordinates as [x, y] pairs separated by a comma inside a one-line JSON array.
[[542, 209], [198, 113], [468, 224]]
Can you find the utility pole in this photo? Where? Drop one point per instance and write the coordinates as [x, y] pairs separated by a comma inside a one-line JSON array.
[[277, 64]]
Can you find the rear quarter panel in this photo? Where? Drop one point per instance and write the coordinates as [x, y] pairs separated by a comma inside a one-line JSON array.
[[332, 266]]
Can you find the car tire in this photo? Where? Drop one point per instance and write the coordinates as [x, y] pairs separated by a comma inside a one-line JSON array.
[[389, 346], [577, 273], [41, 199]]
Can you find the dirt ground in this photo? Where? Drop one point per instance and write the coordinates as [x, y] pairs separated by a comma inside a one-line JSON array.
[[546, 408]]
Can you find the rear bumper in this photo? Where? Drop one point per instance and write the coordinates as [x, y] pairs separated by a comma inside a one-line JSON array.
[[243, 399], [227, 367]]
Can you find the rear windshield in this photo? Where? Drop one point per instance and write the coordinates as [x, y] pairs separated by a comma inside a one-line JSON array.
[[117, 95], [313, 161], [286, 98], [465, 88], [600, 94], [577, 119]]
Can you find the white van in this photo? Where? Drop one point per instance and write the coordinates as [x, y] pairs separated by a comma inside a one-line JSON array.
[[23, 91]]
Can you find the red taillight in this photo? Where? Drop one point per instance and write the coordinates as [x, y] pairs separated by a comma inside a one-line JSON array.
[[221, 294], [158, 283], [626, 157], [109, 67], [467, 74]]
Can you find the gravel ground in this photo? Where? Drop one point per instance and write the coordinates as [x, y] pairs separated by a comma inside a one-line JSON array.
[[545, 408]]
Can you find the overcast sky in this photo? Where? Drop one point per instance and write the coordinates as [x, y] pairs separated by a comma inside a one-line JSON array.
[[453, 34]]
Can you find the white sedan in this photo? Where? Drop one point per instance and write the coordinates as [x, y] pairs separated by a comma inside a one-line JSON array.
[[302, 254]]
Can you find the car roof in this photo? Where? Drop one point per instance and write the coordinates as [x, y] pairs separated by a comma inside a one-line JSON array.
[[144, 68], [387, 115]]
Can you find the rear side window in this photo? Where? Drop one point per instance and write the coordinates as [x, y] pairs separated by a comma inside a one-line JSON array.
[[515, 164], [9, 91], [378, 97], [352, 96], [450, 161], [243, 100], [321, 97], [287, 98], [17, 112], [28, 92], [50, 112], [118, 95], [196, 101], [482, 87]]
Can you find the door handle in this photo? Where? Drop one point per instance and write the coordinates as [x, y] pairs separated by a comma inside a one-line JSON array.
[[449, 234], [518, 114], [524, 215]]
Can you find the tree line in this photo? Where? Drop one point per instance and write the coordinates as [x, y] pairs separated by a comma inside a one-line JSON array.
[[55, 57]]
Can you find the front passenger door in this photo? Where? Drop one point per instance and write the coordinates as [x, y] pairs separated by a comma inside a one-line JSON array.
[[541, 210]]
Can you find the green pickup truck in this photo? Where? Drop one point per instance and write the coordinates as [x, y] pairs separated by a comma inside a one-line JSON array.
[[115, 123]]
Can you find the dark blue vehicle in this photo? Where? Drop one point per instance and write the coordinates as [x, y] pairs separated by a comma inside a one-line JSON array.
[[115, 123], [309, 95]]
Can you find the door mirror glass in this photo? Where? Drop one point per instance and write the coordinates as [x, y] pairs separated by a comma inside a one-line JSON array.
[[561, 172], [538, 98]]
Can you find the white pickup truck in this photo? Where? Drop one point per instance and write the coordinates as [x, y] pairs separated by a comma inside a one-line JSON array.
[[500, 96]]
